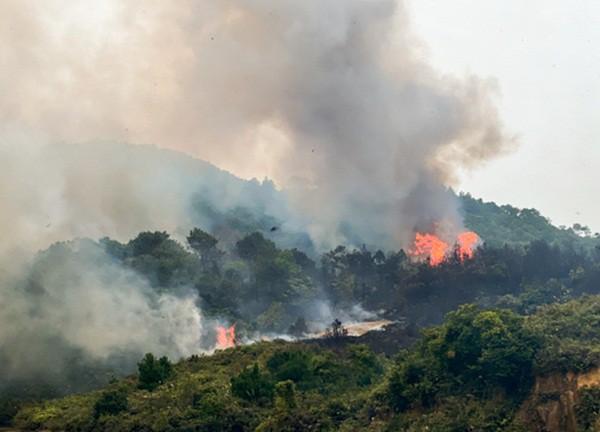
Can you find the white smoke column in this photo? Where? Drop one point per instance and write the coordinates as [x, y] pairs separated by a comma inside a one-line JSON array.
[[333, 97], [76, 297]]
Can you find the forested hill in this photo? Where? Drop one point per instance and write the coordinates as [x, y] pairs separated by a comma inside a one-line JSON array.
[[199, 194], [473, 373], [505, 224]]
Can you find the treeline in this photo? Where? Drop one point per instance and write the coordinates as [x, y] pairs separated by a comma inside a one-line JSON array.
[[505, 224], [263, 288], [471, 373]]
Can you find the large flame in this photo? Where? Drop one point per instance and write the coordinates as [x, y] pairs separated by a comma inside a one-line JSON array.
[[431, 246], [225, 337], [466, 241]]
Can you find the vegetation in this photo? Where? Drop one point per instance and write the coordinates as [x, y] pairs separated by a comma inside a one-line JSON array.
[[588, 408], [506, 224], [525, 305], [153, 371], [471, 373]]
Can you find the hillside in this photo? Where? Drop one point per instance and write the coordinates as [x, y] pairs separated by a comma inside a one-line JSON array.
[[499, 225], [174, 192], [242, 266], [471, 373]]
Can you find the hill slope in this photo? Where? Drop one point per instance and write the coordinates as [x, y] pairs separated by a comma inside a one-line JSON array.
[[471, 373], [499, 225]]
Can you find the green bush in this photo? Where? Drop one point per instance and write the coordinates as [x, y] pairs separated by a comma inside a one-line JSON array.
[[474, 351], [111, 402], [290, 364], [587, 408], [153, 372], [252, 385]]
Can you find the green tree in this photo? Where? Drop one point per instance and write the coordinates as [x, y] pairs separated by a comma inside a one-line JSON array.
[[474, 351], [255, 247], [111, 402], [205, 245], [587, 408], [285, 395], [290, 364], [154, 372], [252, 385]]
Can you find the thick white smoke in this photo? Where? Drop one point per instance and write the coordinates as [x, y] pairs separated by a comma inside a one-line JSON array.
[[334, 100], [75, 304]]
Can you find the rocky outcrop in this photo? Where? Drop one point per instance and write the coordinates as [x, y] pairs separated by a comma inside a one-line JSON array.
[[550, 407]]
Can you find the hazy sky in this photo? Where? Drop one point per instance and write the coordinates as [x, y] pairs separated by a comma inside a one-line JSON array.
[[546, 58], [227, 82]]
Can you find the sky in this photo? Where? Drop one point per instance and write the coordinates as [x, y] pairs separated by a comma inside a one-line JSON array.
[[544, 56], [226, 81]]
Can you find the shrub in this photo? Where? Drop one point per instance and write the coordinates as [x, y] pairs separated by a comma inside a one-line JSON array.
[[153, 371], [110, 403], [252, 385], [588, 407]]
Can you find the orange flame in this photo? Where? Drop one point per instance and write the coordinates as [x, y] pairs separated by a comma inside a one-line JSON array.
[[225, 337], [431, 246], [466, 241]]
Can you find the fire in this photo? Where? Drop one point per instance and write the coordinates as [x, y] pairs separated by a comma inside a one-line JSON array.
[[466, 241], [225, 337], [430, 246]]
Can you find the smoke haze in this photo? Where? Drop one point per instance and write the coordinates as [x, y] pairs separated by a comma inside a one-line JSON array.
[[334, 100]]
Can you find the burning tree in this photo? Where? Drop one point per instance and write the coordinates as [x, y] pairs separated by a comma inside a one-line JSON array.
[[431, 247], [337, 331], [225, 337]]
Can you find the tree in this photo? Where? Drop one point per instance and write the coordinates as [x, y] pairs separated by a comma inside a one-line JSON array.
[[338, 330], [153, 372], [285, 395], [252, 385], [474, 351], [588, 407], [290, 364], [299, 328], [273, 318], [205, 245], [111, 402], [146, 242], [255, 247]]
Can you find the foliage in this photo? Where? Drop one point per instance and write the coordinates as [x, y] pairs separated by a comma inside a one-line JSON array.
[[505, 224], [205, 245], [468, 374], [252, 385], [571, 340], [475, 352], [477, 365], [587, 408], [111, 402], [291, 364], [285, 395], [153, 372]]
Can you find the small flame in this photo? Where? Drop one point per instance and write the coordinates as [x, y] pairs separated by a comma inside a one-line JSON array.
[[431, 246], [466, 241], [225, 337]]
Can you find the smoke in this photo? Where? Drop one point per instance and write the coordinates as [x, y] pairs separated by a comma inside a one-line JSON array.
[[333, 100], [74, 304]]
